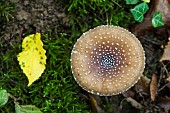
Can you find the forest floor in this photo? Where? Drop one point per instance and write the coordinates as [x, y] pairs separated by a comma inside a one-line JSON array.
[[61, 23]]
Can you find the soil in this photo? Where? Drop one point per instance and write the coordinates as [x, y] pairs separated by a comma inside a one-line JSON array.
[[34, 16]]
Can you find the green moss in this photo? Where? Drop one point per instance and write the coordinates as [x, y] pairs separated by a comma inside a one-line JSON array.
[[86, 14], [6, 13], [56, 89], [6, 10]]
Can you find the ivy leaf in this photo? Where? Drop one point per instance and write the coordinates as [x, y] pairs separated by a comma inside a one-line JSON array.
[[32, 59], [3, 97], [132, 1], [157, 19], [26, 108], [139, 11], [146, 1]]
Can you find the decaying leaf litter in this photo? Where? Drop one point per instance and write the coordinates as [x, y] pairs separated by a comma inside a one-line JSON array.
[[151, 93]]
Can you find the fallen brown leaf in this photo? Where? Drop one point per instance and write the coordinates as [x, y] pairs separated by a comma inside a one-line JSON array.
[[142, 86], [166, 54], [168, 79], [164, 103], [128, 93], [153, 87], [95, 101]]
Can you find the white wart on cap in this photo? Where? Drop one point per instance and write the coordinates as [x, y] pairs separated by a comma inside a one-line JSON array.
[[107, 60]]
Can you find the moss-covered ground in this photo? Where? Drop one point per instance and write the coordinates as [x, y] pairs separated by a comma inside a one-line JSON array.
[[56, 90]]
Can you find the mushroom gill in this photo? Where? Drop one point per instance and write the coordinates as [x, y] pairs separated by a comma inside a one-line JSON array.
[[107, 60]]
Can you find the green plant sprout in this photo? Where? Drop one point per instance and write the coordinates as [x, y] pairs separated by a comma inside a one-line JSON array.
[[18, 108], [157, 19], [139, 11], [132, 1], [3, 97]]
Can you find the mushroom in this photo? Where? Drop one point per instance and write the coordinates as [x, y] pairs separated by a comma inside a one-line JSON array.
[[107, 60]]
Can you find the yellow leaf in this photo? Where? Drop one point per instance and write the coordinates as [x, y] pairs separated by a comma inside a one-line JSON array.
[[166, 54], [32, 59], [146, 1]]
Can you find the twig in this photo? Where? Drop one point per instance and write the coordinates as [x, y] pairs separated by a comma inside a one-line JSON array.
[[14, 98]]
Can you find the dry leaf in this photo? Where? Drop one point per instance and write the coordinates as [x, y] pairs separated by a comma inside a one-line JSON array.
[[164, 103], [168, 79], [32, 59], [166, 54], [153, 87], [128, 93], [142, 86], [134, 103], [95, 100]]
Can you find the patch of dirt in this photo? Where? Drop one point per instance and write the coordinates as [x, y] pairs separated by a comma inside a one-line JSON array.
[[32, 16]]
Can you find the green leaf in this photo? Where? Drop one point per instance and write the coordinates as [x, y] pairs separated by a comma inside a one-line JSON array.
[[132, 1], [26, 109], [139, 11], [157, 20], [3, 97]]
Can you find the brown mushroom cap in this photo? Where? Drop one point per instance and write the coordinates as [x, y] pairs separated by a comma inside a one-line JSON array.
[[107, 60]]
